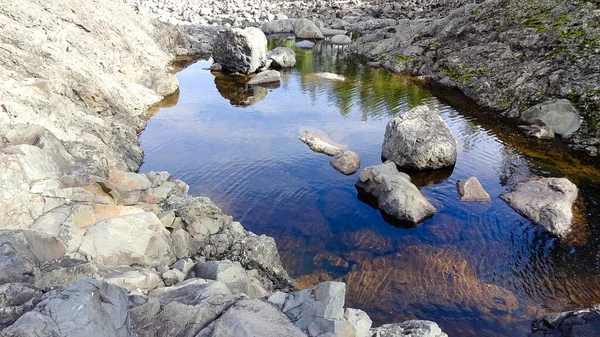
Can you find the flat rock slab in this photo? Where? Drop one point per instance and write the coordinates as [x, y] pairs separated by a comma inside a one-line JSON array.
[[547, 202], [330, 76], [396, 195], [268, 76], [346, 162], [471, 190], [332, 32]]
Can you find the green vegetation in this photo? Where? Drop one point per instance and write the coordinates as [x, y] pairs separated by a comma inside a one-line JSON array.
[[477, 11], [401, 58]]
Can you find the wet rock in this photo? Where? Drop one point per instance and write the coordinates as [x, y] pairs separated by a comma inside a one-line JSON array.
[[558, 116], [330, 76], [282, 57], [321, 146], [419, 139], [232, 274], [86, 308], [347, 162], [471, 190], [240, 50], [138, 239], [413, 328], [305, 44], [253, 317], [267, 76], [394, 192], [575, 323], [15, 300], [306, 29], [547, 202], [341, 39]]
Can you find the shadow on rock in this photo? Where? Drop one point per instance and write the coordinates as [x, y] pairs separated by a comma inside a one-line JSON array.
[[372, 201]]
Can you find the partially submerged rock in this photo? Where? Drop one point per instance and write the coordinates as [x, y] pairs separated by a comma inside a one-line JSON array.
[[283, 57], [306, 29], [471, 190], [305, 44], [412, 328], [240, 50], [558, 116], [267, 76], [396, 195], [347, 162], [547, 202], [320, 145], [419, 139], [330, 76], [341, 39]]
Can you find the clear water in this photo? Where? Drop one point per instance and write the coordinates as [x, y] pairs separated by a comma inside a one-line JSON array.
[[478, 269]]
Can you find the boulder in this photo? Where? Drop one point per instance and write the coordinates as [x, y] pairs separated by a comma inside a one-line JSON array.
[[89, 308], [340, 39], [232, 274], [306, 29], [332, 32], [359, 320], [412, 328], [547, 202], [574, 323], [240, 50], [305, 44], [283, 57], [471, 190], [278, 26], [137, 239], [324, 301], [15, 300], [419, 139], [347, 162], [558, 116], [267, 76], [321, 146], [395, 194], [172, 277]]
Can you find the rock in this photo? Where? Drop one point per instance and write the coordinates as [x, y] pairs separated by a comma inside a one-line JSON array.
[[325, 301], [330, 76], [278, 26], [283, 57], [132, 279], [267, 76], [575, 323], [369, 25], [558, 116], [216, 67], [413, 328], [63, 273], [547, 202], [320, 146], [347, 162], [305, 44], [138, 239], [255, 288], [340, 39], [306, 29], [332, 32], [278, 298], [359, 320], [396, 195], [232, 274], [419, 139], [86, 308], [15, 300], [128, 180], [537, 131], [240, 50], [173, 277], [254, 317], [184, 265], [471, 190]]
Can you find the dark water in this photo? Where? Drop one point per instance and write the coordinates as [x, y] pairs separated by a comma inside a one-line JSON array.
[[478, 269]]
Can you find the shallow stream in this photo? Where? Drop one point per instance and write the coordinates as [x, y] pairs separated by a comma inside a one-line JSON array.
[[477, 269]]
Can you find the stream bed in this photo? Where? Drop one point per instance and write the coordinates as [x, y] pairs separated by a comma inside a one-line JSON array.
[[477, 269]]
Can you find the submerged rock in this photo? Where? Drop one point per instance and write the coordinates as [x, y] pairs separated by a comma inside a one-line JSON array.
[[306, 29], [347, 162], [330, 76], [240, 50], [558, 116], [320, 145], [283, 57], [547, 202], [340, 39], [413, 328], [419, 139], [267, 76], [395, 194], [471, 190]]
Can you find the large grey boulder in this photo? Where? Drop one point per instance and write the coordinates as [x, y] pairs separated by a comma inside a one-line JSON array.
[[419, 139], [347, 162], [558, 116], [230, 273], [471, 190], [240, 50], [253, 317], [283, 57], [341, 39], [547, 202], [15, 300], [267, 76], [137, 239], [306, 29], [278, 26], [412, 328], [89, 308], [395, 194]]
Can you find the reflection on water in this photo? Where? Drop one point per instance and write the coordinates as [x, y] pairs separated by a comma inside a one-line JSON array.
[[479, 269]]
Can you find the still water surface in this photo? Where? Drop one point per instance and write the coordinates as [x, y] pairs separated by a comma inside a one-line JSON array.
[[478, 269]]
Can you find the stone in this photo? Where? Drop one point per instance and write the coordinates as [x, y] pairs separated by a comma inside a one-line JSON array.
[[267, 76], [359, 320], [173, 277], [137, 239], [575, 323], [184, 265], [255, 288], [341, 40], [283, 57], [306, 29], [128, 180], [558, 116], [15, 300], [132, 279], [305, 44], [216, 67], [547, 202], [419, 139], [232, 274], [240, 50], [321, 146], [347, 162], [278, 298], [333, 32], [330, 76], [253, 317], [412, 328], [395, 194], [325, 300], [158, 178], [278, 26], [85, 308], [537, 131], [471, 190]]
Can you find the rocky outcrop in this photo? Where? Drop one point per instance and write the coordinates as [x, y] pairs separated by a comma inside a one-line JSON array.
[[419, 139], [576, 323], [471, 190], [347, 162], [547, 202], [396, 196], [240, 50]]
